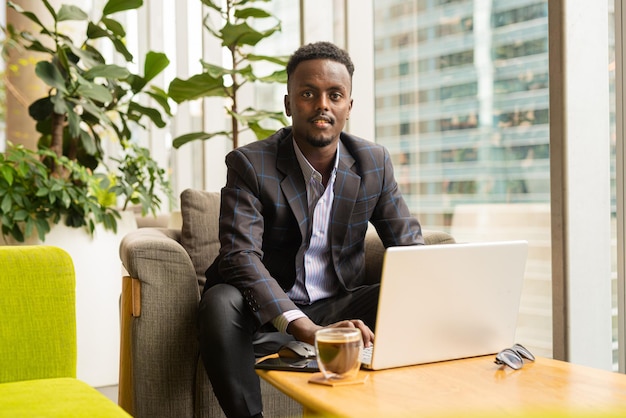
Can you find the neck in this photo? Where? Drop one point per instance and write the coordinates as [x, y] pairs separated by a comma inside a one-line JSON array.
[[321, 159]]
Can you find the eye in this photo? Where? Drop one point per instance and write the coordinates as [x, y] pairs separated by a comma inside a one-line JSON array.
[[336, 96], [307, 94]]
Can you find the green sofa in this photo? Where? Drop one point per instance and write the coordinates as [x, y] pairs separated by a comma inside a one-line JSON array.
[[161, 374], [38, 338]]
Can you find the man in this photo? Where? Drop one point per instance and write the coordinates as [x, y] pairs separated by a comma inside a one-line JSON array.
[[294, 213]]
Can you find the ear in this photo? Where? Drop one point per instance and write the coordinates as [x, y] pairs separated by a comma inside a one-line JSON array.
[[287, 105], [349, 109]]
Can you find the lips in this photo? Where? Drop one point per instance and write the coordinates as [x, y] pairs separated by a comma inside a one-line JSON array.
[[322, 121]]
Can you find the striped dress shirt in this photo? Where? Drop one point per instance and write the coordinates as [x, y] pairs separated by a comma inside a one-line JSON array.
[[315, 276]]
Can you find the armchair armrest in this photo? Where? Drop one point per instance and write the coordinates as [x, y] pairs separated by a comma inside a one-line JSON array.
[[159, 342]]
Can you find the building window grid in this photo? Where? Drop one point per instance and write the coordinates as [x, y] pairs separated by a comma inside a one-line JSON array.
[[459, 153]]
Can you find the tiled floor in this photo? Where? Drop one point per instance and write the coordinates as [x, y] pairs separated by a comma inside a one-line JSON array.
[[109, 391]]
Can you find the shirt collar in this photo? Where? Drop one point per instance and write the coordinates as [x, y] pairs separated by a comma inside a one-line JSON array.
[[307, 169]]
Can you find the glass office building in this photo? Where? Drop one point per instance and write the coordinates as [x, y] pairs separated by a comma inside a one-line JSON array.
[[462, 104], [462, 101]]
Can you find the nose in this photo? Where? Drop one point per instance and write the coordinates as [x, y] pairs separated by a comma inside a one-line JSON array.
[[322, 102]]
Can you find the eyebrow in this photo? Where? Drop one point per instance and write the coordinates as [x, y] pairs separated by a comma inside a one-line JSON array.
[[333, 87]]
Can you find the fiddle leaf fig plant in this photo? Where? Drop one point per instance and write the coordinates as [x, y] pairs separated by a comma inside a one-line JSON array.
[[238, 36], [87, 95], [88, 100]]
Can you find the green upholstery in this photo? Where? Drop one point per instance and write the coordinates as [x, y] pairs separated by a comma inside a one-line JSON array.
[[38, 338], [28, 350], [62, 397]]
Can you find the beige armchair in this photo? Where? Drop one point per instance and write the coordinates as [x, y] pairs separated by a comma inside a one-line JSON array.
[[161, 374]]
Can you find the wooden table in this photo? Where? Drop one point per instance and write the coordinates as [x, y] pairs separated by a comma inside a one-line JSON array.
[[470, 387]]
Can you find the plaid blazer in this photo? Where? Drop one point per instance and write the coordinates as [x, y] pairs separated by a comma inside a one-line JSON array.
[[264, 217]]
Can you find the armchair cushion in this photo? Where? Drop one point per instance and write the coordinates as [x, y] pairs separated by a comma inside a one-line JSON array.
[[199, 236]]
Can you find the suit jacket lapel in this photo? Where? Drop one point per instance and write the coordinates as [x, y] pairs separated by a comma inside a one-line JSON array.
[[347, 185], [292, 184]]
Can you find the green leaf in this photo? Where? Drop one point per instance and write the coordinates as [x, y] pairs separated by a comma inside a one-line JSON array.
[[251, 115], [281, 61], [7, 173], [71, 12], [251, 12], [87, 56], [183, 139], [17, 233], [88, 143], [154, 65], [212, 5], [41, 109], [279, 76], [73, 120], [247, 73], [215, 71], [121, 48], [161, 98], [60, 107], [114, 26], [200, 85], [95, 92], [136, 83], [20, 215], [43, 227], [6, 204], [114, 6], [42, 191], [96, 111], [38, 47], [94, 31], [153, 114], [259, 131], [66, 199], [107, 71], [50, 75], [241, 34]]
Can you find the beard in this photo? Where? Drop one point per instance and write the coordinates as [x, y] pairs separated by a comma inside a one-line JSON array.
[[318, 141]]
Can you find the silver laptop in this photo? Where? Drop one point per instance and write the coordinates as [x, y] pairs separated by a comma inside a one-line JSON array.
[[448, 301]]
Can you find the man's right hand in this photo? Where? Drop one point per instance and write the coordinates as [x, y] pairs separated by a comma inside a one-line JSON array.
[[303, 329]]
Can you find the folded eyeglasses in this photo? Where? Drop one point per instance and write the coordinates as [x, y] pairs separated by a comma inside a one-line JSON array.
[[514, 356]]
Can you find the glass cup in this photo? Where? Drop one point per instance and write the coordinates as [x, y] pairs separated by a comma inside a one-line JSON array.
[[339, 352]]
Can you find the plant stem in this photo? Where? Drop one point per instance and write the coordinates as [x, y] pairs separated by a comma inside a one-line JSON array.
[[56, 143]]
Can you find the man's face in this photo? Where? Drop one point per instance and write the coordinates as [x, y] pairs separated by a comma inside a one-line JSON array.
[[319, 101]]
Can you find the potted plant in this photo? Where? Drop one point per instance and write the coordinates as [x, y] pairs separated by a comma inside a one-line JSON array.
[[238, 37], [88, 99], [32, 199], [139, 180], [68, 181]]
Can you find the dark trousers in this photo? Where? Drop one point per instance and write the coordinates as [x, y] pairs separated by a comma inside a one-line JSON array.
[[230, 340]]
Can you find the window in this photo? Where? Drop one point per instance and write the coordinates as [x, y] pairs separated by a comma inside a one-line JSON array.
[[482, 138]]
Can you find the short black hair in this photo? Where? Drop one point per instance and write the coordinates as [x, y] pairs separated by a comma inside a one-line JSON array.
[[319, 50]]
